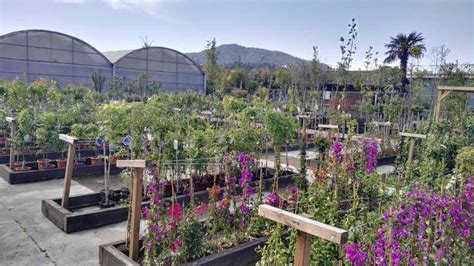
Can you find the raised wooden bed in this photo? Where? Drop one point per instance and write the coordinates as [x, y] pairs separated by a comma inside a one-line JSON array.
[[70, 221], [35, 175], [245, 254]]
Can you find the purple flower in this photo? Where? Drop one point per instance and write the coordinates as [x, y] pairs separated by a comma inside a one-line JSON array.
[[244, 209], [145, 212], [337, 151], [355, 254], [273, 199], [248, 190], [371, 147], [350, 168]]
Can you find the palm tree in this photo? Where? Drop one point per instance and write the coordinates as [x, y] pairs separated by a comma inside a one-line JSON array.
[[402, 47]]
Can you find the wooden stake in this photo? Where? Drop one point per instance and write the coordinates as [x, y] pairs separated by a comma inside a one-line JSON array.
[[68, 175], [136, 212]]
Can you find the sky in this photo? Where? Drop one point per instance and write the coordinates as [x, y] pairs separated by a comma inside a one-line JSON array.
[[291, 26]]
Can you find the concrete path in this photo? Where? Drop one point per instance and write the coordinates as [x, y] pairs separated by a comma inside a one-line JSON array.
[[28, 238]]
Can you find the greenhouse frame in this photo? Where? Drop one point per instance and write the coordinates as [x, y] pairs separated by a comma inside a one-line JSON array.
[[37, 54]]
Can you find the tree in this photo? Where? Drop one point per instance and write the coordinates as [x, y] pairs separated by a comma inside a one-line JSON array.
[[211, 67], [402, 47]]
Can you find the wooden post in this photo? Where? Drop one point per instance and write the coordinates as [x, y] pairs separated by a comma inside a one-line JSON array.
[[303, 249], [134, 233], [412, 137], [12, 122], [306, 228], [69, 167]]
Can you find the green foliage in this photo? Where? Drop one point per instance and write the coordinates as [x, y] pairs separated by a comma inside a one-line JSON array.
[[281, 127], [465, 162], [193, 239]]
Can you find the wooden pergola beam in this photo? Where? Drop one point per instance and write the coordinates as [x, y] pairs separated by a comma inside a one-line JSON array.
[[443, 92]]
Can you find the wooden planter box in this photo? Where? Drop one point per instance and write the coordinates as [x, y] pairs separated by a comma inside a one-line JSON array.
[[70, 221], [34, 175], [31, 157], [110, 255]]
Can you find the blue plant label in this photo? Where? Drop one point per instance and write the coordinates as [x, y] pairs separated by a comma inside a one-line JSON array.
[[99, 141], [111, 148], [127, 140]]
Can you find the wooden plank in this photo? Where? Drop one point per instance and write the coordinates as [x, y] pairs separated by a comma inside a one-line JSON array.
[[456, 88], [68, 139], [301, 223], [303, 116], [303, 249], [68, 175], [412, 135], [10, 119], [328, 126], [136, 213], [377, 123], [131, 163]]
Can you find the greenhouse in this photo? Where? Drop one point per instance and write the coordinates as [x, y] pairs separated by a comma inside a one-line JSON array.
[[36, 54]]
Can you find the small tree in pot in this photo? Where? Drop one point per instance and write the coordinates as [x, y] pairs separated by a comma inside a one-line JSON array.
[[282, 129]]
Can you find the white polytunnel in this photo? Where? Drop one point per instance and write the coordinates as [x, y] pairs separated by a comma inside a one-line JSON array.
[[36, 54]]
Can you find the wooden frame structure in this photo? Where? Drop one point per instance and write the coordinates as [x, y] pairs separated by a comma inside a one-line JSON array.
[[412, 137], [71, 141], [443, 92], [306, 229], [332, 129], [138, 166]]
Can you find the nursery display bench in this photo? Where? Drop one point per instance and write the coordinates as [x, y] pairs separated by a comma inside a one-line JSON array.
[[60, 211]]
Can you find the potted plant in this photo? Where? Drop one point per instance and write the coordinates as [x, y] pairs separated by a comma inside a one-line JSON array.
[[46, 135]]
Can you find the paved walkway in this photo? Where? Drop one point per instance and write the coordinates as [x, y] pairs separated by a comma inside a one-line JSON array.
[[28, 238]]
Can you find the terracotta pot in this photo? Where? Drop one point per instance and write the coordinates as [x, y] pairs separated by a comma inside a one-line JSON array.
[[113, 159], [16, 165], [96, 160], [61, 163], [42, 164]]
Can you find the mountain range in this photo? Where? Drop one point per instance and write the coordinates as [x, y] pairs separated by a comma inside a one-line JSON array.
[[230, 54]]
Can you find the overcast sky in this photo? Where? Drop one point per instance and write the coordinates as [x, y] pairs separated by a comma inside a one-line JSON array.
[[289, 26]]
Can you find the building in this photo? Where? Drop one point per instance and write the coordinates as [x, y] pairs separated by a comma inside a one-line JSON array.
[[36, 54]]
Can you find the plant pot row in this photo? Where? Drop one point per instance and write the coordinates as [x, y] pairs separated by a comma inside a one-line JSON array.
[[33, 155], [44, 164]]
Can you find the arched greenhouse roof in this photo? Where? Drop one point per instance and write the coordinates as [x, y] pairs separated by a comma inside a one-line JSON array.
[[39, 54]]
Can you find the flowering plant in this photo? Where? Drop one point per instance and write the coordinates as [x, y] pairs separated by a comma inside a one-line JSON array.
[[427, 228]]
